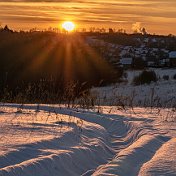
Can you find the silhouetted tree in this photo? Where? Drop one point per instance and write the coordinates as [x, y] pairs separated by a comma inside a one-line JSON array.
[[92, 29], [102, 30], [121, 30], [6, 29], [143, 31], [111, 31]]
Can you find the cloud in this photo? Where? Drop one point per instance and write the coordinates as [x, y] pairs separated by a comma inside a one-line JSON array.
[[100, 12]]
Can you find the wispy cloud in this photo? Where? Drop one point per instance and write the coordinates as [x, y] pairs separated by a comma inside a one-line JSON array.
[[151, 13]]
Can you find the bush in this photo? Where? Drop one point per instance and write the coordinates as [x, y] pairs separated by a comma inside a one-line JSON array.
[[166, 77], [174, 77], [139, 63], [146, 77]]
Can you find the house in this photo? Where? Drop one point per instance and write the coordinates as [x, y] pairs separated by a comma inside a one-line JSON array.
[[151, 64], [164, 63], [172, 58], [126, 62]]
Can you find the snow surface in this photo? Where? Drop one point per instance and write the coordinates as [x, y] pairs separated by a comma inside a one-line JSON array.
[[161, 93], [56, 141]]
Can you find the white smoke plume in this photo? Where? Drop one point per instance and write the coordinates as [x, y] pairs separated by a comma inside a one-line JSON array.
[[136, 27]]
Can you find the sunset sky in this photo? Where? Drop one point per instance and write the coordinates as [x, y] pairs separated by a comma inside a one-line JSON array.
[[158, 16]]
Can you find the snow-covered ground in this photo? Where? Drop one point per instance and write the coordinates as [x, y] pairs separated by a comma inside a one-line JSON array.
[[160, 93], [56, 141]]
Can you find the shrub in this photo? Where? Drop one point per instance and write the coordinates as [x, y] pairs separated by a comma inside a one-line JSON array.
[[125, 75], [146, 77], [139, 63], [166, 77], [174, 77]]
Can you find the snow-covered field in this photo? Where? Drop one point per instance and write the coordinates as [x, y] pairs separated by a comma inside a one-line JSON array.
[[56, 141], [160, 93]]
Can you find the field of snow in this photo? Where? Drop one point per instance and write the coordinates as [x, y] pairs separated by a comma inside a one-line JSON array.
[[160, 93], [55, 141]]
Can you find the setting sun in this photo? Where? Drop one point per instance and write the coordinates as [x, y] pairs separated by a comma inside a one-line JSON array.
[[68, 26]]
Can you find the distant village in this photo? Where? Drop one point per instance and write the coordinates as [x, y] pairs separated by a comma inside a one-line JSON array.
[[148, 52]]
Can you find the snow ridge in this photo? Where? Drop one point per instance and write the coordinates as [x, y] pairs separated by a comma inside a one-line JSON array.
[[105, 144]]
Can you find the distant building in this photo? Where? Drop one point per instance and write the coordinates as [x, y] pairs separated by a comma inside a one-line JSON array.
[[172, 58], [151, 63], [164, 63], [126, 62]]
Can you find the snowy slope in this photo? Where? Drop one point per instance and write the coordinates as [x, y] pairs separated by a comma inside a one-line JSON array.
[[160, 93], [59, 141]]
